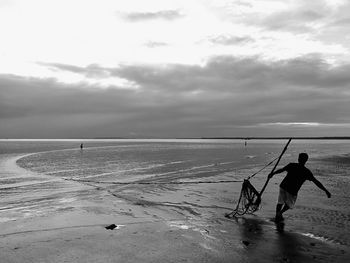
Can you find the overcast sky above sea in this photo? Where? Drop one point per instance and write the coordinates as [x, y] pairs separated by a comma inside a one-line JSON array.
[[164, 69]]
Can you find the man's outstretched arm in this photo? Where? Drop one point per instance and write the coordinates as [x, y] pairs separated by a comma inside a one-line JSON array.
[[284, 169], [320, 185]]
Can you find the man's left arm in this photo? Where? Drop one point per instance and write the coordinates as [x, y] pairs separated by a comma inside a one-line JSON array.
[[320, 185]]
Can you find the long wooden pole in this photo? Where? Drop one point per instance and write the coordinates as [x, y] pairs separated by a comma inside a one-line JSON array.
[[279, 158]]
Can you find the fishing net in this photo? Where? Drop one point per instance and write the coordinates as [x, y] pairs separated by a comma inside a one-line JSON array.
[[250, 199]]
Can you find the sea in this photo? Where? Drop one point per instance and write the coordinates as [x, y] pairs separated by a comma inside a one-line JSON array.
[[192, 179]]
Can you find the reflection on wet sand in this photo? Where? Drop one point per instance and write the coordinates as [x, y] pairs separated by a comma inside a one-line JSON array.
[[262, 245]]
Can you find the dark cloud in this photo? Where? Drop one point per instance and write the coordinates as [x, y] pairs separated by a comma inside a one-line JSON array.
[[92, 70], [227, 74], [60, 66], [230, 40], [242, 3], [341, 22], [226, 97], [298, 18], [142, 16], [295, 21], [155, 44]]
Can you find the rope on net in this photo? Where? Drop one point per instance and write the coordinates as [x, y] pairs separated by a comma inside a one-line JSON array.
[[250, 199]]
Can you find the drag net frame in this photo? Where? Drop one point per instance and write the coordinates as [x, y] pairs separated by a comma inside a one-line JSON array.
[[250, 199]]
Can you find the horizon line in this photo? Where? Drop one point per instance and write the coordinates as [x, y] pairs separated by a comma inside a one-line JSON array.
[[198, 138]]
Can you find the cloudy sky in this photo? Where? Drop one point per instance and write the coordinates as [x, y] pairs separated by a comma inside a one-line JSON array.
[[165, 69]]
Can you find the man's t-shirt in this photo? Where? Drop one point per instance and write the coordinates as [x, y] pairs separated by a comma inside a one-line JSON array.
[[296, 175]]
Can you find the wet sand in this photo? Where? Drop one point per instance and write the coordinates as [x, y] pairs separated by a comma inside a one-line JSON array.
[[145, 232], [63, 220], [248, 239]]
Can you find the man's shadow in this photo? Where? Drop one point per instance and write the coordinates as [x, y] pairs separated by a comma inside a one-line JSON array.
[[270, 240], [279, 226]]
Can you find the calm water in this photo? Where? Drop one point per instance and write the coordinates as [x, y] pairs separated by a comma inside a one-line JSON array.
[[42, 177]]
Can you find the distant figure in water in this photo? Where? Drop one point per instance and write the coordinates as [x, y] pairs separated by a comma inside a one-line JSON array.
[[245, 143], [81, 146], [297, 174]]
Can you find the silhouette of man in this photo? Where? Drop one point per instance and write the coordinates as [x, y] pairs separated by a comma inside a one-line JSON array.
[[297, 174]]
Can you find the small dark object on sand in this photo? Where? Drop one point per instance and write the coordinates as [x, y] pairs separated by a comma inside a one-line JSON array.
[[245, 242], [111, 227]]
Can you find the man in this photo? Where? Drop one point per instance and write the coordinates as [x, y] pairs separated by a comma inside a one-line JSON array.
[[297, 174]]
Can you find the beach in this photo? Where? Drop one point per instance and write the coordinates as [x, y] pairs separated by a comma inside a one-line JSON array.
[[57, 200]]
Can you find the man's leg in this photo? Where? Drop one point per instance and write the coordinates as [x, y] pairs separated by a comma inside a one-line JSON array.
[[278, 209], [284, 209], [280, 203], [278, 216]]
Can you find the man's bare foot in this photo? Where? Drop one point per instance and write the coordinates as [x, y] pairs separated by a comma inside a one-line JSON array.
[[279, 218]]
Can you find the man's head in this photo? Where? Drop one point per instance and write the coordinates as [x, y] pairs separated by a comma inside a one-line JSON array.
[[302, 159]]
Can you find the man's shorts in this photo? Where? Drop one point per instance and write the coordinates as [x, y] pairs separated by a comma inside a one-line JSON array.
[[286, 198]]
